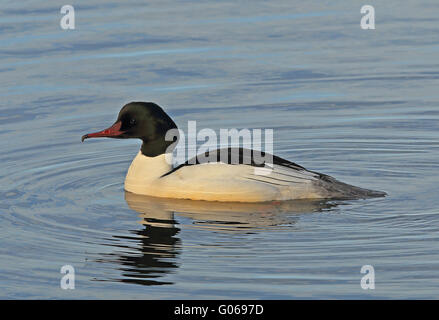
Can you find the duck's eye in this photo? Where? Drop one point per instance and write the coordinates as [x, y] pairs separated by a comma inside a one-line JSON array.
[[132, 122]]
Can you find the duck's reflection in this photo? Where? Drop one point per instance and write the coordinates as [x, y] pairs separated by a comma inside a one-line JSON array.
[[223, 216], [157, 246], [148, 254]]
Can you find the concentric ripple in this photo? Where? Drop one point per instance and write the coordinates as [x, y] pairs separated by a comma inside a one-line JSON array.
[[358, 105]]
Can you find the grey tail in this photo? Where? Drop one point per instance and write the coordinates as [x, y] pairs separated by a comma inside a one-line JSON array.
[[334, 189]]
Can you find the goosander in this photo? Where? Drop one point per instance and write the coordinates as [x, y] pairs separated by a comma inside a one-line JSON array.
[[151, 172]]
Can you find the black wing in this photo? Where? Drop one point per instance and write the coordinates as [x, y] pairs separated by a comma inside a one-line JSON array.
[[238, 156]]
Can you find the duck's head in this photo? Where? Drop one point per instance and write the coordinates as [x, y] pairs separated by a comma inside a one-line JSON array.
[[142, 120]]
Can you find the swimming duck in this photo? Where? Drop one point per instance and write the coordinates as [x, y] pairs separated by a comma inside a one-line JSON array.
[[151, 172]]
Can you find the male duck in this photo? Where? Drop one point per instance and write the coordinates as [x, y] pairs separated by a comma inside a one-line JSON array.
[[151, 172]]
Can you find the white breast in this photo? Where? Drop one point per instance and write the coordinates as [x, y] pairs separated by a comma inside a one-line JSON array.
[[218, 181]]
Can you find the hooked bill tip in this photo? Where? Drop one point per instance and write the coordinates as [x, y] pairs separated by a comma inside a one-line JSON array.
[[85, 136]]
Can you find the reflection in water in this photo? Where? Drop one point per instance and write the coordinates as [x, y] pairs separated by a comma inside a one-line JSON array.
[[149, 253], [156, 247], [225, 216]]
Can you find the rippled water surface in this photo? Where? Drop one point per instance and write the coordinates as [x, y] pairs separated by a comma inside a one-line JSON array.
[[360, 105]]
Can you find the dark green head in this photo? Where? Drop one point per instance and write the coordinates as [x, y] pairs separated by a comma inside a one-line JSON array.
[[143, 120]]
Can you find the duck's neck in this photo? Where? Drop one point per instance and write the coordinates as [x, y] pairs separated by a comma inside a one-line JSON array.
[[154, 148], [144, 170]]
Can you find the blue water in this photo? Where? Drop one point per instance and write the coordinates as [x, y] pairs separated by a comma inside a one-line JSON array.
[[360, 105]]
